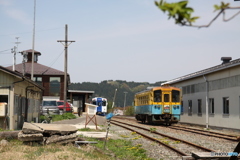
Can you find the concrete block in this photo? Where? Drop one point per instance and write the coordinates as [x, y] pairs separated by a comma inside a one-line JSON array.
[[30, 137], [61, 139], [52, 129], [31, 128]]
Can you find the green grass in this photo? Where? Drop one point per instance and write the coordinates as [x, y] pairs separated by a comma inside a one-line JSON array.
[[59, 117], [121, 149], [92, 130]]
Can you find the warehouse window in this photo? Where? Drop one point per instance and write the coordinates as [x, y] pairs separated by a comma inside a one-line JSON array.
[[189, 107], [199, 107], [182, 108], [211, 105], [225, 105]]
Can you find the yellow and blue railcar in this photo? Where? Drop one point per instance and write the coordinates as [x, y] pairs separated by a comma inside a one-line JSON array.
[[158, 105]]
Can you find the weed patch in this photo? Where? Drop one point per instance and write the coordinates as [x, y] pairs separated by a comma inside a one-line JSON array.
[[59, 117], [120, 146]]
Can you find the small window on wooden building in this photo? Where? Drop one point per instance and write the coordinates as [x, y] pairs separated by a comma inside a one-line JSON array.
[[54, 88]]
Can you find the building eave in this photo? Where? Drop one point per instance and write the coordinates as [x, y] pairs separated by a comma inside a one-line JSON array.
[[80, 91], [205, 71]]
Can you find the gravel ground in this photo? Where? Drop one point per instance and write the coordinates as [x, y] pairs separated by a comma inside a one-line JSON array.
[[156, 151]]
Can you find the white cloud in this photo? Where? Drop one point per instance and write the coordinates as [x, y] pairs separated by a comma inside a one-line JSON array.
[[11, 11], [18, 15], [5, 2]]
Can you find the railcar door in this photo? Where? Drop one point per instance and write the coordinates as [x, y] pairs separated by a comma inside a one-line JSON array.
[[166, 102]]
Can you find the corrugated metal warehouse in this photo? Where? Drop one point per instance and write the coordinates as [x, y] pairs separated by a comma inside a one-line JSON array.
[[211, 97], [20, 99]]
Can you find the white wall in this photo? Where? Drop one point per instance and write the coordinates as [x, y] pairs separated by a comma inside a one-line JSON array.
[[218, 119]]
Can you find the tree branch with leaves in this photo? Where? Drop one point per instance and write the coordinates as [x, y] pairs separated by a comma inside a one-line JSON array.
[[182, 14]]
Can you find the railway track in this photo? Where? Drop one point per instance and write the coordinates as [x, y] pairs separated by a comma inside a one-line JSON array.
[[195, 130], [206, 133], [161, 139]]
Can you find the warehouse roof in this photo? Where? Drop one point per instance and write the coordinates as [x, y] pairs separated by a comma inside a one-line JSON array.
[[224, 65]]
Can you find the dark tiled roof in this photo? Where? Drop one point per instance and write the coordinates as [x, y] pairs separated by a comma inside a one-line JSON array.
[[38, 69]]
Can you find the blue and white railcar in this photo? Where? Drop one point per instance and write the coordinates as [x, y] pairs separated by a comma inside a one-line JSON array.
[[102, 105]]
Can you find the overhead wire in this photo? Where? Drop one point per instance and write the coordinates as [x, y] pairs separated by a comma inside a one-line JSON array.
[[54, 61], [5, 51], [30, 32]]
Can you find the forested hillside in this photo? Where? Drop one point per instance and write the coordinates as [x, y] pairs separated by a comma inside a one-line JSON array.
[[107, 88]]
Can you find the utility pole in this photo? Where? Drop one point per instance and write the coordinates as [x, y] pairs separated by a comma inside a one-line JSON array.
[[14, 57], [23, 62], [14, 51], [66, 44], [124, 101], [33, 39], [114, 97]]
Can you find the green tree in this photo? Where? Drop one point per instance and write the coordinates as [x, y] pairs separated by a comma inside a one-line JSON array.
[[129, 111], [182, 14]]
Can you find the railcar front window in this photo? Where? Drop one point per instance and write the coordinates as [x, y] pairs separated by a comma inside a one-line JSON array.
[[175, 96], [94, 102], [104, 103], [166, 97], [157, 96]]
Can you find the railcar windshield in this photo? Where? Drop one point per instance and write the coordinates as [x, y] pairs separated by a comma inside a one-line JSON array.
[[166, 97], [99, 102], [104, 103], [157, 96], [175, 96]]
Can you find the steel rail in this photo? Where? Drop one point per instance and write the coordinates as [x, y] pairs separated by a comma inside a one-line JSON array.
[[223, 134], [152, 139], [207, 134], [170, 137], [198, 131]]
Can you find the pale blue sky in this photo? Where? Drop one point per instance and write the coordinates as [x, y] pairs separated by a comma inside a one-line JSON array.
[[128, 40]]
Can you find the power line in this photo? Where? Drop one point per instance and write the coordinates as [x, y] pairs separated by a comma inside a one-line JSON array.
[[5, 51], [30, 32], [53, 63]]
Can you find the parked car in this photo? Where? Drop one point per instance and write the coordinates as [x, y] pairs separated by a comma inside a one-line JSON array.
[[49, 107], [61, 107]]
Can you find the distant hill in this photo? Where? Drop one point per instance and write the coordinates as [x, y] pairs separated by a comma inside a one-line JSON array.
[[107, 88]]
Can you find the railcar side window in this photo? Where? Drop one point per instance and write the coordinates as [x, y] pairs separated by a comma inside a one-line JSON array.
[[157, 96], [175, 96], [166, 97]]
